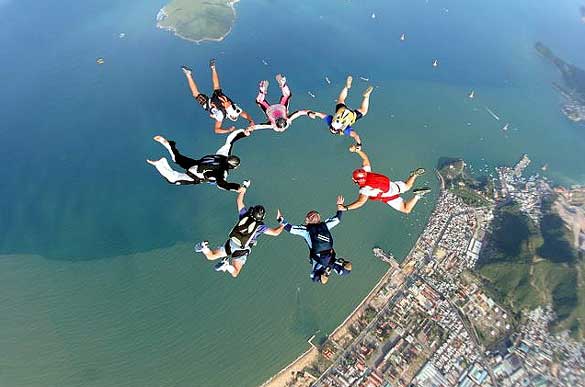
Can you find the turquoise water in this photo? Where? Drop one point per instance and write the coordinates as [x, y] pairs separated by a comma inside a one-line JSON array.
[[99, 286]]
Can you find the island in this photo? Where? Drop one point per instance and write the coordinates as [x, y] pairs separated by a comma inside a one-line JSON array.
[[491, 294], [198, 20], [574, 80]]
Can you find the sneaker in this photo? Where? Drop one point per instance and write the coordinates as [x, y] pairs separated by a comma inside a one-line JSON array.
[[199, 247], [222, 265], [263, 86], [212, 63], [420, 192], [418, 172], [281, 79], [246, 183], [186, 70]]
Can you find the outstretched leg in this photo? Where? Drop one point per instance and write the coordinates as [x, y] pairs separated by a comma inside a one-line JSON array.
[[261, 98], [183, 161], [366, 101], [211, 255], [172, 176], [412, 178], [286, 94], [214, 76], [343, 94], [192, 85]]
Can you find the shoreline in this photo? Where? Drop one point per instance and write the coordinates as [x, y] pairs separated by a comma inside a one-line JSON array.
[[310, 355], [174, 31]]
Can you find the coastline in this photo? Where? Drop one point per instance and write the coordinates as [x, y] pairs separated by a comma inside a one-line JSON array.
[[174, 31], [281, 379]]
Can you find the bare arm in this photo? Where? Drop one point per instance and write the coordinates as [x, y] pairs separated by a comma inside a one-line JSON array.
[[219, 130], [240, 199], [361, 200], [314, 115], [260, 126], [297, 114], [362, 154], [353, 134], [247, 117], [274, 231]]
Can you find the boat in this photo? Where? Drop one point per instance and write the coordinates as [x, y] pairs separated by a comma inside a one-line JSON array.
[[311, 94], [505, 128], [264, 62], [402, 37], [373, 15], [492, 113], [327, 80], [472, 94], [100, 60], [122, 35], [435, 63], [544, 168], [364, 79]]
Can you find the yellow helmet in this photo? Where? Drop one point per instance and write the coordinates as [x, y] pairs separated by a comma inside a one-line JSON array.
[[343, 118]]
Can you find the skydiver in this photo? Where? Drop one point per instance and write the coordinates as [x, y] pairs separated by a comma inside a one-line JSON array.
[[318, 237], [341, 123], [219, 106], [241, 239], [374, 186], [212, 169], [278, 116]]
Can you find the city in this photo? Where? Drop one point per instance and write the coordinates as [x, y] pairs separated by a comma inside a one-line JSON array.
[[430, 322]]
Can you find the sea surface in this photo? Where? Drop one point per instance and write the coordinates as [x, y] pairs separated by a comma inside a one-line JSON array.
[[99, 285]]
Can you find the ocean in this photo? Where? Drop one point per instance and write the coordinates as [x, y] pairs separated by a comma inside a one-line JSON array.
[[99, 285]]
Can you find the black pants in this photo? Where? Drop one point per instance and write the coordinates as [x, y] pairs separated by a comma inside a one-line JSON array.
[[184, 161]]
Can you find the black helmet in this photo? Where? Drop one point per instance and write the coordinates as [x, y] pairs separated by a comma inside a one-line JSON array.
[[280, 123], [258, 213], [233, 161]]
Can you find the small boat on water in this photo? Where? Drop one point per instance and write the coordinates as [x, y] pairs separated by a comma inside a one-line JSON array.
[[505, 128], [311, 94], [327, 80], [492, 113], [100, 60], [435, 63], [264, 62], [472, 94], [373, 15], [402, 37], [364, 79]]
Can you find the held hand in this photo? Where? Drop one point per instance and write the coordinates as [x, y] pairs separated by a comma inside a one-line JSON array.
[[248, 131], [279, 216], [354, 148], [311, 114], [340, 200]]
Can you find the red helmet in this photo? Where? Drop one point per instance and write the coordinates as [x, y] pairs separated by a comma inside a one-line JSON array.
[[359, 176]]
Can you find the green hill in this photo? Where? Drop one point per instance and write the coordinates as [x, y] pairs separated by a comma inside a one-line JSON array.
[[198, 20], [525, 266]]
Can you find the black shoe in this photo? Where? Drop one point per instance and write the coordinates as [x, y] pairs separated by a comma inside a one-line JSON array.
[[186, 69], [420, 192], [418, 172], [212, 63]]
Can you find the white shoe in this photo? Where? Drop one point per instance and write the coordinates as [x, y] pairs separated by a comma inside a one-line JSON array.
[[223, 265], [199, 247]]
